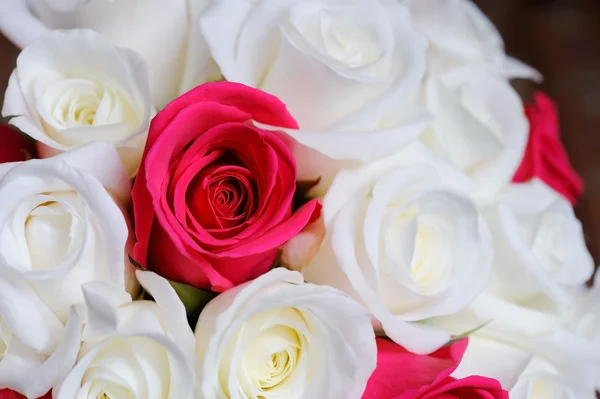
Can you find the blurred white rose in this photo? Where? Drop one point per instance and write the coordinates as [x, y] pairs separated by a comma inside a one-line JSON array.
[[277, 337], [73, 87], [539, 247], [138, 349], [404, 239], [344, 68], [157, 29], [60, 228], [480, 125], [460, 34]]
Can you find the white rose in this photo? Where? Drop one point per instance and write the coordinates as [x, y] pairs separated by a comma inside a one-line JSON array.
[[157, 29], [36, 348], [134, 350], [480, 125], [539, 248], [402, 239], [493, 358], [73, 87], [459, 34], [559, 367], [60, 228], [527, 347], [343, 68], [276, 337]]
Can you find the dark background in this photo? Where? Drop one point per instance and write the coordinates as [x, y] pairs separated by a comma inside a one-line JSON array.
[[561, 38]]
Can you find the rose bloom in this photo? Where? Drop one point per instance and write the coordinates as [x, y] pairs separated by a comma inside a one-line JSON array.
[[132, 349], [73, 87], [15, 146], [61, 226], [403, 237], [528, 347], [545, 156], [404, 375], [479, 122], [352, 60], [539, 246], [213, 198], [278, 337], [460, 33], [479, 126]]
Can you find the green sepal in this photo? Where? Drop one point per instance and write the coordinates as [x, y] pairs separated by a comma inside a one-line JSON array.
[[466, 334], [194, 300]]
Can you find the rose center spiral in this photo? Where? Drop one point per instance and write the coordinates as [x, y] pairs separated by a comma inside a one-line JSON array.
[[223, 195], [276, 360], [81, 102], [229, 197]]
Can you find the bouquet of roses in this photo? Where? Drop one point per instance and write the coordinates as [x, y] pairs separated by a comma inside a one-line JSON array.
[[278, 199]]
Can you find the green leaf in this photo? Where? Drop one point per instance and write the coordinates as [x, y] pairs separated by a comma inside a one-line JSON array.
[[466, 334], [194, 299]]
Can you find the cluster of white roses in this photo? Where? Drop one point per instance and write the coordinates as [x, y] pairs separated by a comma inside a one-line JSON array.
[[413, 132]]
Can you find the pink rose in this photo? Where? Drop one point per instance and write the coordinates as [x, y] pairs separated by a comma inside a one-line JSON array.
[[213, 197], [545, 156], [14, 146], [404, 375]]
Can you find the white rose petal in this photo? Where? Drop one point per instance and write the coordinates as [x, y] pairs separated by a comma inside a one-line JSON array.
[[505, 337], [36, 348], [584, 319], [498, 359], [561, 368], [276, 337], [461, 34], [138, 349], [480, 126], [404, 240], [538, 242], [73, 87], [157, 29]]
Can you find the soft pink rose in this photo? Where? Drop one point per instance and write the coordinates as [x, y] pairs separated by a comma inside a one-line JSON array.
[[214, 194], [404, 375]]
